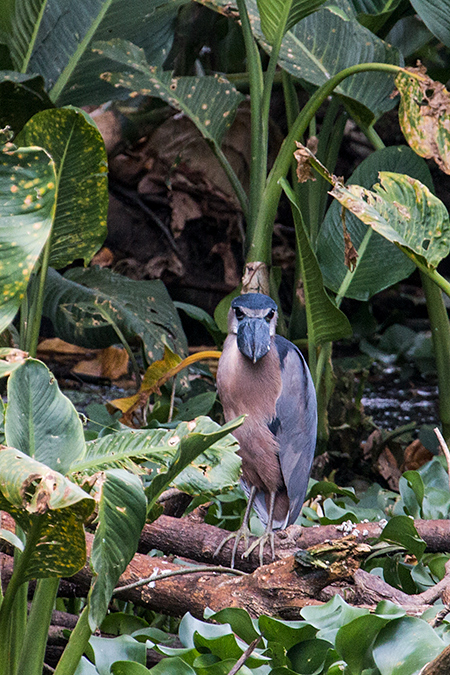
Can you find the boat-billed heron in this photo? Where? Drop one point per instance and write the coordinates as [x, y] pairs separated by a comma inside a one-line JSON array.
[[265, 376]]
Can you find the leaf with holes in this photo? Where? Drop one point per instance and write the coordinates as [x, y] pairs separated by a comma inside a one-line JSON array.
[[27, 210], [77, 148], [405, 212], [210, 102], [424, 115], [50, 510]]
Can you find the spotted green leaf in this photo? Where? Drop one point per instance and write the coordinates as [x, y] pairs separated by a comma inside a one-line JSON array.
[[77, 148], [49, 509], [27, 209], [405, 212], [139, 308], [210, 102], [122, 509], [40, 420]]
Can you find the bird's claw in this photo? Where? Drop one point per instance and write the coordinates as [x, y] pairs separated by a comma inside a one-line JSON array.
[[242, 533], [261, 542]]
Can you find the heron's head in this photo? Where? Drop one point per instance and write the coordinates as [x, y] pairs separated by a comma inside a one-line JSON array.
[[253, 319]]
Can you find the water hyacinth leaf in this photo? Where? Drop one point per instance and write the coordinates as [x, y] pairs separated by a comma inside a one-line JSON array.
[[128, 668], [424, 115], [106, 651], [272, 12], [173, 666], [40, 421], [309, 656], [405, 212], [416, 644], [380, 264], [354, 641], [75, 144], [401, 530], [330, 617], [326, 322], [139, 308], [27, 209], [287, 633], [121, 516], [239, 620], [210, 102], [48, 508]]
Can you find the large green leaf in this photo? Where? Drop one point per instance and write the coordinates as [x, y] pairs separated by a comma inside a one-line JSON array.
[[436, 16], [381, 264], [40, 420], [49, 509], [121, 516], [405, 645], [326, 322], [27, 209], [77, 148], [405, 212], [210, 102], [210, 448], [271, 11], [57, 42], [139, 308]]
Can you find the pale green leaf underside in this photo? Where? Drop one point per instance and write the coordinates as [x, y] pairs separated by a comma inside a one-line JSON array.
[[405, 212], [40, 420], [210, 102], [27, 207], [77, 148]]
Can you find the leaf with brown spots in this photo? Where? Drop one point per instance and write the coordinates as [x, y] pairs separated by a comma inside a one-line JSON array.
[[424, 115], [405, 212]]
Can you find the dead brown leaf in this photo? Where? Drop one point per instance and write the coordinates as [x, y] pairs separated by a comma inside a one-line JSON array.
[[416, 455]]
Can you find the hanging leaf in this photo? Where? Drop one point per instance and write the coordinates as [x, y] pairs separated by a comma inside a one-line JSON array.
[[403, 211], [50, 510], [27, 209], [77, 148], [40, 421], [22, 96], [326, 322], [210, 102], [122, 509], [424, 115], [435, 15]]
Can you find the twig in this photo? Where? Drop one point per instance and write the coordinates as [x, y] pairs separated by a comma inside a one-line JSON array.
[[172, 400], [201, 569], [243, 658], [445, 450]]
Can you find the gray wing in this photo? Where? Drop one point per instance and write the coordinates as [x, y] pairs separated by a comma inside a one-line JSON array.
[[295, 425]]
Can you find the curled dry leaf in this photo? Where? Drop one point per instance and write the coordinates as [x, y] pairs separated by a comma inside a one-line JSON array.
[[350, 252], [424, 115], [304, 169]]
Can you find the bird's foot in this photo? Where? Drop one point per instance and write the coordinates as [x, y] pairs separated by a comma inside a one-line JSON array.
[[242, 533], [261, 541]]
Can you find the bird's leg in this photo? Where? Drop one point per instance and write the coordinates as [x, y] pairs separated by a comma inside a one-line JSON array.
[[267, 536], [243, 532]]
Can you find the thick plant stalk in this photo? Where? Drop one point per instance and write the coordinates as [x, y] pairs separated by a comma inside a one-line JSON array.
[[440, 330], [39, 620], [76, 646]]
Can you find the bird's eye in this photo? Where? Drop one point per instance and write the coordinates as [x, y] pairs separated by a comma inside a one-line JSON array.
[[239, 313], [269, 316]]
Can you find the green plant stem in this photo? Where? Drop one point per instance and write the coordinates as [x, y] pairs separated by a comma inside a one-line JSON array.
[[76, 646], [256, 89], [261, 242], [17, 627], [38, 302], [440, 330], [39, 620], [17, 579]]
